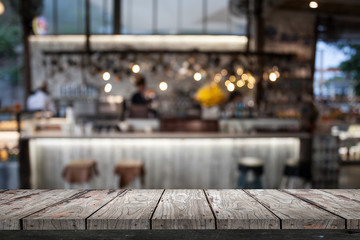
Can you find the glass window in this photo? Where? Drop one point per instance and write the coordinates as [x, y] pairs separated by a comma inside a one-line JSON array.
[[125, 14], [217, 17], [68, 17], [48, 15], [137, 16], [168, 16], [238, 25], [172, 17], [101, 15], [192, 17]]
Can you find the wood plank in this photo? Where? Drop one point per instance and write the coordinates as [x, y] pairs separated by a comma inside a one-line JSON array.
[[12, 212], [12, 195], [183, 209], [353, 194], [295, 213], [244, 234], [234, 209], [131, 210], [70, 214], [343, 207]]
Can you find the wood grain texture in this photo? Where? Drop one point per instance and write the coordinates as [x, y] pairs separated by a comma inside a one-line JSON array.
[[11, 195], [12, 212], [295, 213], [353, 194], [244, 234], [183, 209], [339, 205], [131, 210], [234, 209], [70, 214]]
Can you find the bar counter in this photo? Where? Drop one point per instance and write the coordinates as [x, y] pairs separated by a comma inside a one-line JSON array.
[[172, 160], [178, 135]]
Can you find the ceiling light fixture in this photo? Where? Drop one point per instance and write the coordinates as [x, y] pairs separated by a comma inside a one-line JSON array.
[[108, 88], [313, 4], [136, 68], [163, 86], [197, 76], [2, 8], [106, 76]]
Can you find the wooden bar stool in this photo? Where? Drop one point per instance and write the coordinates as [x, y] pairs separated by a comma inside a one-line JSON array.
[[251, 170], [129, 171], [79, 172]]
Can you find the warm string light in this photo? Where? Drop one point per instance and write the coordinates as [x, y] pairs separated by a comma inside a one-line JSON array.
[[274, 74], [272, 77], [217, 77], [239, 71], [197, 76], [106, 76], [230, 87], [244, 77], [240, 83], [250, 85], [163, 86], [251, 80], [108, 87], [224, 72], [135, 68], [313, 4]]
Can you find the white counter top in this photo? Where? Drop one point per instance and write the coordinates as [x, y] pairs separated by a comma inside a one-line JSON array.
[[52, 134]]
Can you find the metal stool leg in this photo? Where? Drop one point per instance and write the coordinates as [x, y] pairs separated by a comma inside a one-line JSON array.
[[242, 180]]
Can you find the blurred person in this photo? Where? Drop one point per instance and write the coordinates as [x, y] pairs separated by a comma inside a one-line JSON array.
[[139, 97], [40, 100], [141, 100]]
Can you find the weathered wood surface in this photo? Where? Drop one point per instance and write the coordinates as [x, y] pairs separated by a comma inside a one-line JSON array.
[[179, 209], [353, 194], [259, 234], [12, 212], [183, 209], [10, 195], [70, 214], [234, 209], [295, 213], [341, 206], [131, 210]]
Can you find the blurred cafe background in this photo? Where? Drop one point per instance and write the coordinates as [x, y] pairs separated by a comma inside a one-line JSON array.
[[179, 94]]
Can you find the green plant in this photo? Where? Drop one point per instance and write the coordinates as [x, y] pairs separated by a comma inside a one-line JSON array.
[[352, 65], [10, 40]]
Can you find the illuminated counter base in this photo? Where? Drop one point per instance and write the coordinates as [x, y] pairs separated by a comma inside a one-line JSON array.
[[169, 162]]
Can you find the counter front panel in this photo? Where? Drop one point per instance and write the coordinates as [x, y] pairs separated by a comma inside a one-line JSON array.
[[169, 162]]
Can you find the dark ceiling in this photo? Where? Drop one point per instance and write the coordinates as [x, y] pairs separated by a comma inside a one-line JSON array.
[[338, 19], [329, 7]]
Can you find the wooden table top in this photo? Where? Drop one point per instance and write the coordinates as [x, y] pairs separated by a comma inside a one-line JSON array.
[[179, 209]]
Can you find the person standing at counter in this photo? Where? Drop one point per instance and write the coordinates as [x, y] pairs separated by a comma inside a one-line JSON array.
[[139, 96], [141, 100], [40, 100]]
